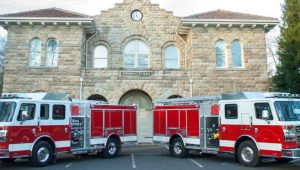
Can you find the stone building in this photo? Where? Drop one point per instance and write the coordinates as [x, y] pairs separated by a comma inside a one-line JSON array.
[[134, 53]]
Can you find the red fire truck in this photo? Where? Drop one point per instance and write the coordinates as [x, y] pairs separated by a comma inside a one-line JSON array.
[[249, 125], [40, 126]]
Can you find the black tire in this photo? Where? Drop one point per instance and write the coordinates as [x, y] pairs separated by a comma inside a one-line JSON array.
[[42, 154], [177, 148], [248, 154], [8, 160], [112, 148], [283, 160]]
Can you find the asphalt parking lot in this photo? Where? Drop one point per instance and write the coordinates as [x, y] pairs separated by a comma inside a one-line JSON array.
[[148, 157]]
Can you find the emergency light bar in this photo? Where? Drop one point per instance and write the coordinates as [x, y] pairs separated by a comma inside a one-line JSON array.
[[281, 95]]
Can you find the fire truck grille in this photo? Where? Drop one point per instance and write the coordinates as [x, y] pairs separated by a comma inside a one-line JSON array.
[[298, 134], [298, 129]]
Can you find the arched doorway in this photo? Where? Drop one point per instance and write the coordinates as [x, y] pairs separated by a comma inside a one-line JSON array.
[[174, 96], [97, 97], [144, 114]]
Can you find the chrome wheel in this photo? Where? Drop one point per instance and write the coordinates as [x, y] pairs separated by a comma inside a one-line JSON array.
[[43, 154], [247, 154], [112, 148], [178, 148]]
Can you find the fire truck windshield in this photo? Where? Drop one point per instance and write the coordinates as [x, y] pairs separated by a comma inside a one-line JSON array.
[[288, 110], [7, 111]]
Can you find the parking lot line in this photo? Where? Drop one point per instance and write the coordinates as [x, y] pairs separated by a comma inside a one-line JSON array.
[[295, 160], [67, 166], [198, 164], [133, 161]]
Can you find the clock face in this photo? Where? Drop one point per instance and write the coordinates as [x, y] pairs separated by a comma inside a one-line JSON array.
[[136, 15]]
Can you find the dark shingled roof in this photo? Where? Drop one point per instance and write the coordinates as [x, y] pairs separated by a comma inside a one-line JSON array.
[[227, 15], [47, 13]]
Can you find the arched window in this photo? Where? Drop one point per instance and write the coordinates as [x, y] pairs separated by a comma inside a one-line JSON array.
[[174, 97], [100, 57], [220, 54], [136, 53], [97, 97], [35, 52], [171, 57], [51, 58], [236, 54]]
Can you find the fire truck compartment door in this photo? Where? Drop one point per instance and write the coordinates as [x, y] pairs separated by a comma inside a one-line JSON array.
[[246, 121]]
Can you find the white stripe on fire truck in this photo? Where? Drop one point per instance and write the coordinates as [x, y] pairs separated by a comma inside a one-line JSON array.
[[62, 144], [19, 147], [261, 145], [27, 146]]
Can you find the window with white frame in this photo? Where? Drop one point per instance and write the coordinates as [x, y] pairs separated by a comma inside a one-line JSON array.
[[220, 50], [35, 52], [51, 57], [100, 57], [236, 54], [136, 54], [171, 57]]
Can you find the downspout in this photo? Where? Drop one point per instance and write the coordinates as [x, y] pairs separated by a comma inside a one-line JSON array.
[[185, 62], [82, 76], [185, 49]]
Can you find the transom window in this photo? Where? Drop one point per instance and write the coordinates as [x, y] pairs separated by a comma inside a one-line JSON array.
[[51, 58], [136, 54], [171, 57], [35, 52], [220, 54], [236, 54], [100, 57]]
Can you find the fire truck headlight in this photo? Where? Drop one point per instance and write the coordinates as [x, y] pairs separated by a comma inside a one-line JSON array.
[[3, 135], [289, 136]]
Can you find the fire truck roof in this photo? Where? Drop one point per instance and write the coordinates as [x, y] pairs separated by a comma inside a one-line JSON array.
[[227, 96], [35, 96]]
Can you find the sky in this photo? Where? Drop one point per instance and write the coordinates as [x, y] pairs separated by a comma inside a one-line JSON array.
[[269, 8]]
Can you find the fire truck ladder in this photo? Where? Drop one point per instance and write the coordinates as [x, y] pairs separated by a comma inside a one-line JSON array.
[[190, 100]]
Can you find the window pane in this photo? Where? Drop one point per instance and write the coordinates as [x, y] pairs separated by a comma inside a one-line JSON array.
[[28, 111], [171, 63], [59, 112], [129, 61], [236, 54], [35, 52], [231, 111], [100, 63], [130, 48], [51, 59], [142, 47], [44, 115], [100, 57], [260, 107], [171, 52], [143, 61], [220, 54], [171, 57], [136, 54]]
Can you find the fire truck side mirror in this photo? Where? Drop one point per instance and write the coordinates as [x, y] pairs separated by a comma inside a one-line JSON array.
[[265, 115], [24, 115]]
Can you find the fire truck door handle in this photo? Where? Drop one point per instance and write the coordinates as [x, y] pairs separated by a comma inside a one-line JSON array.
[[33, 131], [224, 129], [66, 130]]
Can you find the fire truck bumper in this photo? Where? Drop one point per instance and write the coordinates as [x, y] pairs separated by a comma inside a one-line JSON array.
[[4, 153], [291, 153]]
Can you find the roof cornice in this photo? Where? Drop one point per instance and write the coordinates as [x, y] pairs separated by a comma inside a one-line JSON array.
[[186, 24], [45, 19]]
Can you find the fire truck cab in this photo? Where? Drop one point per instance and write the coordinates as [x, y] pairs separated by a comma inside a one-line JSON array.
[[249, 125], [40, 126]]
